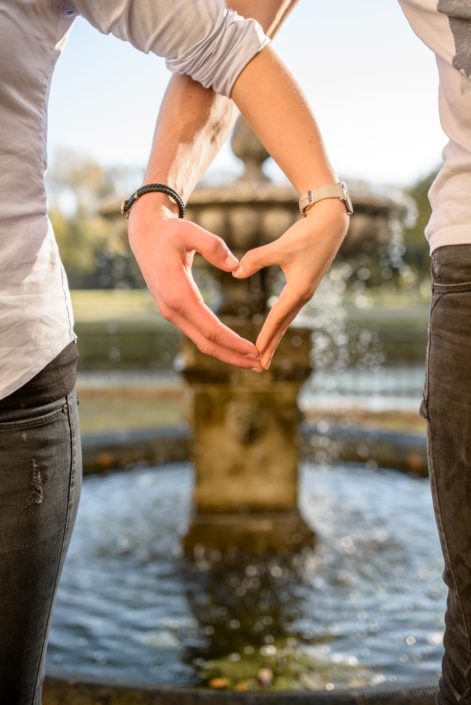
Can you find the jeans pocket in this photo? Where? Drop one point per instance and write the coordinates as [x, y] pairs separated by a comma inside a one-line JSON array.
[[32, 416], [451, 268], [424, 404]]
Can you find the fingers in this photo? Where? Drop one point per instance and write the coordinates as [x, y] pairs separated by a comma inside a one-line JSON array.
[[280, 316], [258, 258], [211, 347], [166, 268], [209, 324], [211, 247], [188, 311]]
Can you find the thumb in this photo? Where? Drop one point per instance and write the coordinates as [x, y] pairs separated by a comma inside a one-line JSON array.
[[256, 259], [211, 247]]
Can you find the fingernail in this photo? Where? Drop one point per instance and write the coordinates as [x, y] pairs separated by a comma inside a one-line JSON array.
[[256, 369], [252, 356], [230, 259], [238, 272]]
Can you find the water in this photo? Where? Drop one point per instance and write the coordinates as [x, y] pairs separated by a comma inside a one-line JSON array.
[[364, 607], [379, 389], [397, 388]]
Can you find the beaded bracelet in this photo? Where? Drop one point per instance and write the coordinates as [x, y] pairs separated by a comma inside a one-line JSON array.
[[149, 188]]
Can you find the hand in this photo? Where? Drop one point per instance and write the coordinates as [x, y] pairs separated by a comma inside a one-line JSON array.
[[164, 247], [304, 253]]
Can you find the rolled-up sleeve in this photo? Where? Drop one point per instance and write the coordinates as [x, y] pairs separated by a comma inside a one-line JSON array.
[[199, 38]]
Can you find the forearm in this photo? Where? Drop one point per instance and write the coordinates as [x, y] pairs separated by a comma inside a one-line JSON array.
[[192, 125], [194, 122], [273, 105]]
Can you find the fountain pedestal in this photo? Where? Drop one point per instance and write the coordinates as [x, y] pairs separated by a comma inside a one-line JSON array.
[[246, 448], [245, 425]]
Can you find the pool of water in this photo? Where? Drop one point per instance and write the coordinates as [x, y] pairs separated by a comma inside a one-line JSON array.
[[397, 388], [362, 608]]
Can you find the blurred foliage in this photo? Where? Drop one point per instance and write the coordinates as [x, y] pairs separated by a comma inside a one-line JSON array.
[[399, 265], [82, 238], [94, 249], [96, 255], [417, 254]]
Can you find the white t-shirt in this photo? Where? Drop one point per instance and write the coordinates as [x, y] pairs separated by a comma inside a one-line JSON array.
[[445, 26], [200, 38]]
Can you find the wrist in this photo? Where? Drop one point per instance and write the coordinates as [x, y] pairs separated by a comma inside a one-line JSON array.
[[147, 219], [155, 205], [332, 208], [330, 217]]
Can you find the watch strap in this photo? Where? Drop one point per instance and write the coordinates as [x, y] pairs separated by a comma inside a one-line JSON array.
[[338, 190]]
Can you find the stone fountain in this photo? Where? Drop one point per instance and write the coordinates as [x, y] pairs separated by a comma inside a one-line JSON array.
[[245, 425], [236, 621]]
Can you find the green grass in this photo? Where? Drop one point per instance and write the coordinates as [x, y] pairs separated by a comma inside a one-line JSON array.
[[101, 414], [115, 305], [128, 321], [127, 410], [138, 305], [123, 329]]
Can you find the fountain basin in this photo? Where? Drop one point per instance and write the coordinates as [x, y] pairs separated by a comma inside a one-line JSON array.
[[353, 615], [70, 692], [323, 441], [359, 617]]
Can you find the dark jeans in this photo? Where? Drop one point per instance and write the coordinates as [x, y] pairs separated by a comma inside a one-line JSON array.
[[446, 406], [40, 484]]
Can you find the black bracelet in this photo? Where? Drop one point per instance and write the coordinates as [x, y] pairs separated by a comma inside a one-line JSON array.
[[149, 188]]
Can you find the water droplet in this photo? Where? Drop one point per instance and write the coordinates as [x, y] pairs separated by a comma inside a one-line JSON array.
[[268, 650], [435, 639]]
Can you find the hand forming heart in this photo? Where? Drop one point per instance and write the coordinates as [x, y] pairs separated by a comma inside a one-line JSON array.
[[304, 253], [164, 247]]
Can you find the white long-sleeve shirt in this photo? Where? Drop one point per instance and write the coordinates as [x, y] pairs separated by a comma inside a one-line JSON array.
[[445, 27], [200, 38]]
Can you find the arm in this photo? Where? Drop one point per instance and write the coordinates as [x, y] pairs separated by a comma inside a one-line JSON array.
[[192, 125], [202, 39], [182, 150], [194, 122], [307, 249]]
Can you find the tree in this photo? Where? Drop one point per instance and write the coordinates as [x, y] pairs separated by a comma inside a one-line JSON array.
[[94, 250], [417, 248]]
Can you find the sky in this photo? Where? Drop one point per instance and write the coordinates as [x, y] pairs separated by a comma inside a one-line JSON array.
[[371, 83]]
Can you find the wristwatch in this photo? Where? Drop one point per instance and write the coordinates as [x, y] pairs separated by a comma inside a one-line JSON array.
[[338, 190]]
